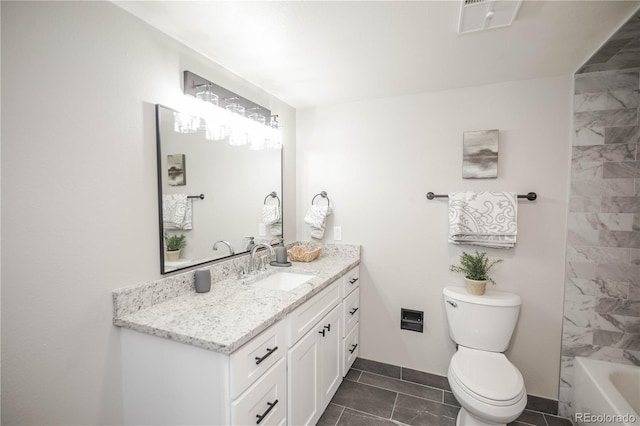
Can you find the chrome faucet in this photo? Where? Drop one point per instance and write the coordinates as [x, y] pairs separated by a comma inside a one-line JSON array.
[[252, 255], [215, 246]]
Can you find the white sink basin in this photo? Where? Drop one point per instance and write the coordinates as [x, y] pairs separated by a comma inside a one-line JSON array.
[[285, 281]]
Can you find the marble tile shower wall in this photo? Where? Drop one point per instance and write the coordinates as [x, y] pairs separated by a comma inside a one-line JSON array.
[[602, 284]]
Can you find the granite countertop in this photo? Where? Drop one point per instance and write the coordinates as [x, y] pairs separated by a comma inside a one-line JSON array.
[[234, 311]]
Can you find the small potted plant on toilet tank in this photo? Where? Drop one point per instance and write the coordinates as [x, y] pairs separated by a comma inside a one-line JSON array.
[[174, 244], [475, 268]]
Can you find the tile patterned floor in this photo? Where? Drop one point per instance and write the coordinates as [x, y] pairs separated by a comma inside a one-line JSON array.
[[375, 394]]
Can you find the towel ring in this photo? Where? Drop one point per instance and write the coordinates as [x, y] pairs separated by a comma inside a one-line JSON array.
[[323, 194], [272, 195]]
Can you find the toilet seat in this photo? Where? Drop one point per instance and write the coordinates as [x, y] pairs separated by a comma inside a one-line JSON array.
[[487, 376]]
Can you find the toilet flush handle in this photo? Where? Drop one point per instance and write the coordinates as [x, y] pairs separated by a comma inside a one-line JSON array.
[[454, 304]]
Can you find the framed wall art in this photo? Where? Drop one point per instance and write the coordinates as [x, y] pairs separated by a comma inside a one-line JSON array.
[[480, 154], [176, 170]]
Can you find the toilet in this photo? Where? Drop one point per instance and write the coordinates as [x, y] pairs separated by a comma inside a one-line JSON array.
[[489, 388]]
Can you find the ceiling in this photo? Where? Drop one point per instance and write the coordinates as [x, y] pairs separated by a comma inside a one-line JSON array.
[[313, 53]]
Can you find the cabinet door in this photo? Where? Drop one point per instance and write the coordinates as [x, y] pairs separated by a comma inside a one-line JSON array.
[[330, 355], [303, 385]]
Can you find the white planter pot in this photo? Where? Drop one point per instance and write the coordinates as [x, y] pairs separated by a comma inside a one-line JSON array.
[[475, 287]]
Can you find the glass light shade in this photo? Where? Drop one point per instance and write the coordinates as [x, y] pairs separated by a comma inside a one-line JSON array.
[[259, 118], [208, 96], [235, 108], [185, 123], [214, 131]]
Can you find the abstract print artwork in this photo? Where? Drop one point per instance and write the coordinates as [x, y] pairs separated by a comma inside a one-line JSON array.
[[480, 154], [176, 170]]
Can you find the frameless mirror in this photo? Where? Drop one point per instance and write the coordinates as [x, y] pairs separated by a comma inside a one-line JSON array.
[[211, 191]]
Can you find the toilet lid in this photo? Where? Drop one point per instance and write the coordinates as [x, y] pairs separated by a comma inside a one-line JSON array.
[[489, 375]]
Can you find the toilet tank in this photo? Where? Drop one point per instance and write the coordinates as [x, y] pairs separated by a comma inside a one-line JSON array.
[[481, 322]]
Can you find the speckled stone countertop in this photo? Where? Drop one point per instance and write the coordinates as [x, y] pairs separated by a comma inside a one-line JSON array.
[[234, 311]]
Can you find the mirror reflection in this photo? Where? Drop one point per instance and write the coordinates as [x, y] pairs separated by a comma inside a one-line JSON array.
[[216, 198]]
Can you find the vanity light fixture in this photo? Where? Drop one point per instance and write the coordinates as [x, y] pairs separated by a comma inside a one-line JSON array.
[[230, 116]]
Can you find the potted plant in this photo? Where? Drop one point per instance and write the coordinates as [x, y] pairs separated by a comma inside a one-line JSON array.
[[475, 268], [173, 244]]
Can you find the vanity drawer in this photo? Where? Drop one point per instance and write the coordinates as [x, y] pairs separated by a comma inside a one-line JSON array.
[[350, 311], [265, 400], [255, 357], [350, 281], [304, 317], [350, 349]]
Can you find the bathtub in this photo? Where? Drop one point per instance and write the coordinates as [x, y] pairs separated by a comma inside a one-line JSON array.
[[605, 393]]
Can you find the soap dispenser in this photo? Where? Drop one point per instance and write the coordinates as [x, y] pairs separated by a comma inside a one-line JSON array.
[[281, 256], [251, 244]]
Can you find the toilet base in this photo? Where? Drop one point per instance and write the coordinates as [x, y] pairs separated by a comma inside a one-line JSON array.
[[466, 419]]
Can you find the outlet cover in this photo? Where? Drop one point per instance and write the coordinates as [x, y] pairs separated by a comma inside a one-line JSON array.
[[337, 233]]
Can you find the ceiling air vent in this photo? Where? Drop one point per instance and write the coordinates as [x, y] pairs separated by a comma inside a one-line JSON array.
[[478, 15]]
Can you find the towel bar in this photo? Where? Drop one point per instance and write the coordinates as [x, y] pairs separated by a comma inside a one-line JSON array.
[[272, 195], [323, 194], [531, 196], [201, 196]]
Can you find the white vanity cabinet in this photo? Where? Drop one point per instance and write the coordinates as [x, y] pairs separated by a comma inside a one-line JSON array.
[[169, 383], [351, 319], [314, 359], [287, 374]]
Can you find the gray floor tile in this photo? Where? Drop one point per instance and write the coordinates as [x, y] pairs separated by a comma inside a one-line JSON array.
[[355, 418], [416, 411], [365, 398], [331, 415], [557, 421], [377, 367], [450, 399], [353, 375], [400, 386], [531, 418], [427, 379], [543, 405]]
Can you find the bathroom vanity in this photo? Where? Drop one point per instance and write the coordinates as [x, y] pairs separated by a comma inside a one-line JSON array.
[[242, 353]]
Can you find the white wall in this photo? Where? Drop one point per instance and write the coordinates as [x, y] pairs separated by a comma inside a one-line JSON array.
[[79, 208], [377, 160]]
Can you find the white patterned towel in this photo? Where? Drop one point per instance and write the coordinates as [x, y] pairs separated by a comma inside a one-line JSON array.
[[486, 219], [317, 217], [177, 212], [270, 214]]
